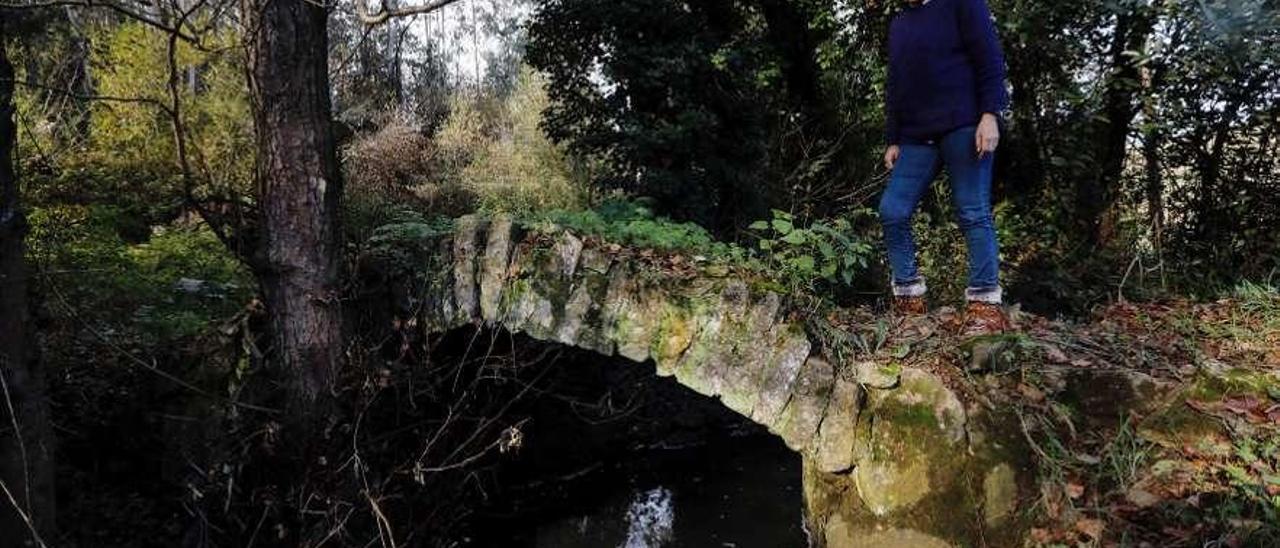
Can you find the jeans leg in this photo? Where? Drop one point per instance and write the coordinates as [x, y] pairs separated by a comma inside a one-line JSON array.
[[916, 168], [971, 193]]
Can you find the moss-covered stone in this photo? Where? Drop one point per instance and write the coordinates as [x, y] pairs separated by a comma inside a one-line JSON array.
[[582, 322], [467, 238], [998, 352], [833, 450], [789, 354], [565, 253], [494, 266], [754, 344], [1107, 396], [621, 314], [903, 538], [999, 494], [1176, 424], [927, 471], [876, 375], [702, 365], [803, 413], [914, 434], [674, 336]]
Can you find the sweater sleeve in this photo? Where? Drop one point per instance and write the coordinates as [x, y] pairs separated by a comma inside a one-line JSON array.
[[979, 34]]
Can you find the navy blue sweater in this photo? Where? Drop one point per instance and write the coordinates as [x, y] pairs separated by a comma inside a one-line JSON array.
[[945, 69]]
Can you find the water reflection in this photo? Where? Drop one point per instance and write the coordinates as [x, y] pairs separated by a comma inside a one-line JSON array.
[[649, 519], [742, 493]]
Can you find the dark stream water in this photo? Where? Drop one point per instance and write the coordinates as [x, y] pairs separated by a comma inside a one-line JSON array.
[[675, 470], [738, 493]]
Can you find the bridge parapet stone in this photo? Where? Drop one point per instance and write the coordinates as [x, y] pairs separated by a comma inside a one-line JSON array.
[[467, 238], [790, 349], [833, 451], [753, 351], [494, 266], [714, 348], [803, 413]]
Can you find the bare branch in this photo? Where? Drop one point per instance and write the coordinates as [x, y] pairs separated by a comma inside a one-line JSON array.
[[118, 8], [384, 12], [109, 98]]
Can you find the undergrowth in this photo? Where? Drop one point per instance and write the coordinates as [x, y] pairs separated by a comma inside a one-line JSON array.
[[795, 258]]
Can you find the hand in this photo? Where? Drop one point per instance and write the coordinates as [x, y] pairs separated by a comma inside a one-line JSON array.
[[987, 138], [891, 156]]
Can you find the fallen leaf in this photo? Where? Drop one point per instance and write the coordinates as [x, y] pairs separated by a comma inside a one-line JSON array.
[[1030, 392], [1242, 405], [1092, 528], [1087, 458], [1274, 414], [1055, 354], [1203, 407], [1142, 497], [1075, 490]]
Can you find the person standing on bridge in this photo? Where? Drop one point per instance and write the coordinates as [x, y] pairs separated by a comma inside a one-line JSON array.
[[944, 94]]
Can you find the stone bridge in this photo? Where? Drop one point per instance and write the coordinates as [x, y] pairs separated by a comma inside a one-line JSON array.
[[891, 457]]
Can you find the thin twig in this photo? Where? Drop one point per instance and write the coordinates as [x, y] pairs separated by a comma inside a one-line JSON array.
[[35, 535], [385, 12], [131, 358], [127, 12], [22, 445]]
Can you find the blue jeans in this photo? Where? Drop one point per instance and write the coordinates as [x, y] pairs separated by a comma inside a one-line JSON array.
[[917, 166]]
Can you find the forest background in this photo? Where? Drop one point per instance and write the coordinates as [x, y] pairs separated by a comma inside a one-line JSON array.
[[1141, 161]]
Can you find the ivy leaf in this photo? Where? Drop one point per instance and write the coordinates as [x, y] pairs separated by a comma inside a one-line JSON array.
[[759, 225], [783, 226], [795, 237]]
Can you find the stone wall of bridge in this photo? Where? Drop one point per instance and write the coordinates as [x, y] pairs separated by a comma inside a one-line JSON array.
[[891, 458]]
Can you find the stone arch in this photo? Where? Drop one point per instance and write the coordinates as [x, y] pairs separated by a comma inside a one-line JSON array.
[[886, 454]]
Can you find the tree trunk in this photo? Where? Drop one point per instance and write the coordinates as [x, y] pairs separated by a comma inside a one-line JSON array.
[[298, 186], [1026, 158], [26, 439], [1095, 198]]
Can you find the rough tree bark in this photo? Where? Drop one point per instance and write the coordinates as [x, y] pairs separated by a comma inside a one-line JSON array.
[[26, 439], [298, 187]]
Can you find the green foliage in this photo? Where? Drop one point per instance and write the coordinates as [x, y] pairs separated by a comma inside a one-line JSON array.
[[819, 251], [1260, 298], [792, 258], [125, 152], [1256, 468], [175, 284], [717, 110], [488, 155], [403, 242], [634, 223], [514, 168]]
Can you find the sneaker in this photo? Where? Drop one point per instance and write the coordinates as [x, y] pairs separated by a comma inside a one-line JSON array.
[[909, 306], [908, 298], [982, 318]]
